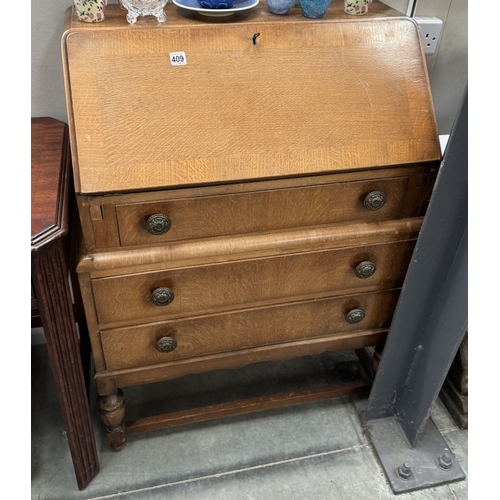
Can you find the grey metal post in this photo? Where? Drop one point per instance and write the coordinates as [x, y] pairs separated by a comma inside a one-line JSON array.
[[428, 326]]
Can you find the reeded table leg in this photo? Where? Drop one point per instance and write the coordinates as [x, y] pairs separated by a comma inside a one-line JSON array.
[[50, 276]]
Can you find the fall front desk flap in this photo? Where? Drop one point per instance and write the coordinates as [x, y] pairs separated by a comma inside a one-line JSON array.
[[252, 96]]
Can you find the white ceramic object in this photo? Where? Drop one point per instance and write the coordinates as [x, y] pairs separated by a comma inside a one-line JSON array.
[[356, 7], [90, 11]]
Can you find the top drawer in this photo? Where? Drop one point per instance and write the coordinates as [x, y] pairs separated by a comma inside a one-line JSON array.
[[168, 216]]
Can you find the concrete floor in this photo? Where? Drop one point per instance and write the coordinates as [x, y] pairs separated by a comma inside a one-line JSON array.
[[312, 451]]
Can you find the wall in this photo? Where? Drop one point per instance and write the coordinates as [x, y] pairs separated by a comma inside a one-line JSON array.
[[47, 87], [404, 6], [47, 90], [448, 67]]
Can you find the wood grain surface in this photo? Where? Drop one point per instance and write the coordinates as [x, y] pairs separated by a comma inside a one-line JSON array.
[[309, 96]]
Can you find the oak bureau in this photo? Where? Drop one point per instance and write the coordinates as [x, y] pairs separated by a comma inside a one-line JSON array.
[[250, 188]]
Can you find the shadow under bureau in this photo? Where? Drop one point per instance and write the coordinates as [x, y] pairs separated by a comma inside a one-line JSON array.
[[260, 202]]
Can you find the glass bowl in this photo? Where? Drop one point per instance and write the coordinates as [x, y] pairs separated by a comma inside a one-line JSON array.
[[137, 8]]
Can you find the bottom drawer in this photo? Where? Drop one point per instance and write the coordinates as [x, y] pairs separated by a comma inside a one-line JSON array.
[[246, 329]]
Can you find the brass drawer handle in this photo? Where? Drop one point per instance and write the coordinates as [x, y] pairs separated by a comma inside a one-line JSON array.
[[365, 269], [374, 200], [355, 316], [166, 344], [162, 296], [158, 224]]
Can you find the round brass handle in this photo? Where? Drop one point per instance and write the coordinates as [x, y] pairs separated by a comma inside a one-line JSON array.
[[166, 344], [374, 200], [162, 296], [158, 224], [365, 269], [355, 316]]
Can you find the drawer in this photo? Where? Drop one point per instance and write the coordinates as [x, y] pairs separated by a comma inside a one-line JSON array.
[[222, 333], [208, 216], [175, 293], [156, 218]]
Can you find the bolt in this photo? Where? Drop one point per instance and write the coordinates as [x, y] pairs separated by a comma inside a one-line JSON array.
[[354, 369], [444, 461], [404, 470]]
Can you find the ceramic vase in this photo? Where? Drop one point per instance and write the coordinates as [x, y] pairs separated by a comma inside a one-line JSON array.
[[279, 7], [356, 7], [314, 9], [90, 11]]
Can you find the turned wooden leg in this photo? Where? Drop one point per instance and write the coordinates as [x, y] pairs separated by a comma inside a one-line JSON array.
[[112, 412], [455, 390], [377, 355]]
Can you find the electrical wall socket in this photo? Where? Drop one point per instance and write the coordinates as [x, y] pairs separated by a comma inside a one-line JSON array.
[[430, 31]]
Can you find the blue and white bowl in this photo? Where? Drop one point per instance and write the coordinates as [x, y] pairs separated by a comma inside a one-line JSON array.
[[217, 4]]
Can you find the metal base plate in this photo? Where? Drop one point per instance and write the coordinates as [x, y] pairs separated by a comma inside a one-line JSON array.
[[393, 452]]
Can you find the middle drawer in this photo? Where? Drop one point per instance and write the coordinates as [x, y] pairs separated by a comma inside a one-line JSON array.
[[187, 291]]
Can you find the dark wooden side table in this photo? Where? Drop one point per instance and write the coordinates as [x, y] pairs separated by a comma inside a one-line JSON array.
[[51, 289]]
